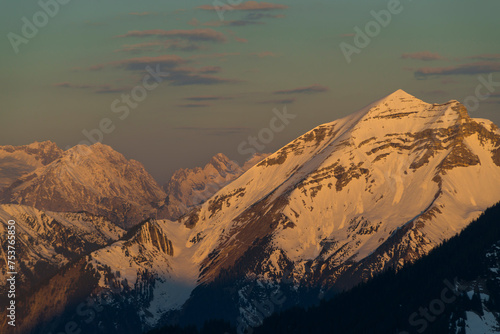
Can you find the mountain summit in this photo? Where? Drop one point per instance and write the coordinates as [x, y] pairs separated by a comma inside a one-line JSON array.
[[190, 187], [375, 189]]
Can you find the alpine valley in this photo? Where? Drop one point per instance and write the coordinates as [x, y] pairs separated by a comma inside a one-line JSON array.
[[105, 248]]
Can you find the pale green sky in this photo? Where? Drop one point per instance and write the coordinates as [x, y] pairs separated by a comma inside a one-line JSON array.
[[50, 91]]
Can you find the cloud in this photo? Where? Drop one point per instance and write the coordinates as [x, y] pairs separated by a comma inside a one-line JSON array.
[[197, 35], [215, 55], [178, 73], [183, 78], [423, 55], [193, 105], [252, 18], [165, 61], [304, 90], [112, 90], [264, 54], [491, 102], [71, 85], [232, 23], [486, 57], [248, 5], [176, 45], [99, 89], [260, 16], [283, 101], [464, 69], [207, 98]]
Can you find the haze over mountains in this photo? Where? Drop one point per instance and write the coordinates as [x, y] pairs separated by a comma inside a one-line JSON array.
[[375, 190]]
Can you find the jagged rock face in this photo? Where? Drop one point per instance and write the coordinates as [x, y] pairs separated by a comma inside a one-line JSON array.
[[96, 179], [151, 263], [16, 161], [379, 188], [46, 241], [190, 187]]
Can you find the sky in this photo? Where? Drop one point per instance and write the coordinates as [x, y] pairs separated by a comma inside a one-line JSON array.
[[172, 83]]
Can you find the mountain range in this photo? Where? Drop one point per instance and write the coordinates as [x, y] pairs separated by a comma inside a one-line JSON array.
[[374, 191]]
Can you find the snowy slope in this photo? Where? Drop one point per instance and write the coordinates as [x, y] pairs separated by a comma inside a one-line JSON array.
[[153, 261], [46, 241], [16, 161], [388, 183]]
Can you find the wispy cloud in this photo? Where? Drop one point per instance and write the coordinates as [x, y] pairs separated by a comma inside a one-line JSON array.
[[71, 85], [492, 57], [175, 45], [207, 34], [99, 89], [248, 5], [207, 98], [232, 23], [182, 78], [193, 105], [423, 55], [282, 101], [464, 69], [140, 63], [112, 90], [252, 18], [304, 90], [214, 55], [260, 16]]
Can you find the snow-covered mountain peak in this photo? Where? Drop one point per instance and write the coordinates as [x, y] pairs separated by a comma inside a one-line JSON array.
[[45, 146], [95, 151], [190, 187], [222, 164], [16, 161], [92, 178], [399, 115], [398, 162]]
